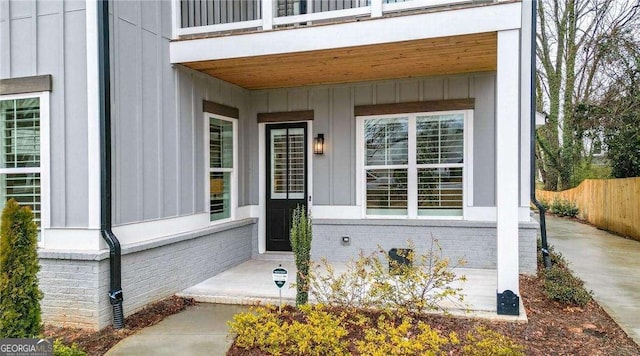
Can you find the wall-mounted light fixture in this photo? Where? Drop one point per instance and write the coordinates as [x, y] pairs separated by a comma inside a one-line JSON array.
[[318, 144]]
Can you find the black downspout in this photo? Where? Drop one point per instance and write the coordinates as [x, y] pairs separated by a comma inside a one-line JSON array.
[[543, 225], [115, 276]]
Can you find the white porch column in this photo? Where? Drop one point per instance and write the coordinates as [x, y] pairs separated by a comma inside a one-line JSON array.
[[507, 178]]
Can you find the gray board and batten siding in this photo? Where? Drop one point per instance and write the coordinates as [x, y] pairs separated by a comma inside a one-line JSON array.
[[158, 121], [49, 38], [334, 180]]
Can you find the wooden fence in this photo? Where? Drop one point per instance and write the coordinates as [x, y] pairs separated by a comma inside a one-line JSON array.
[[610, 204]]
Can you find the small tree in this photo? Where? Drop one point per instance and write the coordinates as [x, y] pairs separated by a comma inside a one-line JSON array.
[[19, 293], [300, 236]]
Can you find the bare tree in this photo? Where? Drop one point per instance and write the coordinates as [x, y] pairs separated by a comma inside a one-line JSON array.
[[571, 56]]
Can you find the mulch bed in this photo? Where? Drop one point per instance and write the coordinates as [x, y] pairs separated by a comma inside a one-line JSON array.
[[553, 328], [98, 343]]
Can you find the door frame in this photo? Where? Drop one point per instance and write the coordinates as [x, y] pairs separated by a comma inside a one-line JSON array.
[[262, 172]]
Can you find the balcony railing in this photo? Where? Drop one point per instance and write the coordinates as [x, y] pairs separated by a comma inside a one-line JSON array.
[[193, 17]]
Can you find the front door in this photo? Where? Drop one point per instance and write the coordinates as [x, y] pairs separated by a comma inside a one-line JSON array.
[[286, 180]]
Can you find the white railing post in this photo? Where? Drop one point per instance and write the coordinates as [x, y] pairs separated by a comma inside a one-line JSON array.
[[176, 16], [267, 14], [376, 8]]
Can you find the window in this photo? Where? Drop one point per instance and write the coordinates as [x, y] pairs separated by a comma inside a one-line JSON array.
[[222, 165], [414, 164], [21, 160]]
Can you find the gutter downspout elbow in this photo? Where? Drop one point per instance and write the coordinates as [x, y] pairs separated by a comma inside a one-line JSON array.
[[543, 225], [115, 275]]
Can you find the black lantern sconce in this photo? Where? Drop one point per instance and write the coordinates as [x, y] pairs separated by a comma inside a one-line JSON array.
[[318, 144]]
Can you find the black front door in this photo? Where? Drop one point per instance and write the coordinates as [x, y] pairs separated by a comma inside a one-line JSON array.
[[286, 180]]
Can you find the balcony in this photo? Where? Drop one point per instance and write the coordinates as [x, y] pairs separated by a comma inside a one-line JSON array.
[[320, 42], [215, 17]]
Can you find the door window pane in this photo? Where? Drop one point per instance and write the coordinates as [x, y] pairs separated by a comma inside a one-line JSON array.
[[296, 163], [287, 163], [279, 164]]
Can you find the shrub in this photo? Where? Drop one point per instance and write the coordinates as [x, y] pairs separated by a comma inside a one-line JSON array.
[[19, 293], [484, 342], [556, 257], [418, 287], [349, 289], [563, 207], [544, 203], [321, 330], [300, 236], [318, 333], [60, 349], [407, 338], [564, 287]]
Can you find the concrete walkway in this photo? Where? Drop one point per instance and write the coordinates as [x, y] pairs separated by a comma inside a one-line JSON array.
[[609, 265], [199, 330]]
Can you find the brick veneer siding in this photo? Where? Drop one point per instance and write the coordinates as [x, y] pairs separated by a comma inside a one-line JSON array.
[[76, 285], [473, 241]]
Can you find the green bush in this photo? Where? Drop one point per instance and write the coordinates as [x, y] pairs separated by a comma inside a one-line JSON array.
[[300, 236], [19, 292], [485, 342], [543, 202], [60, 349], [564, 287], [556, 257], [562, 207]]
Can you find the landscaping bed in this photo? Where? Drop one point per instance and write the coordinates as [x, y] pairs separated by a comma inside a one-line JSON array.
[[553, 328], [99, 342]]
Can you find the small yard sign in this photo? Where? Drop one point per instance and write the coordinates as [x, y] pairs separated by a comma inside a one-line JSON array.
[[280, 276]]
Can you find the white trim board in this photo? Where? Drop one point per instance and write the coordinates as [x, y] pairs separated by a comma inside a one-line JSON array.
[[72, 239], [93, 116], [149, 230], [479, 19]]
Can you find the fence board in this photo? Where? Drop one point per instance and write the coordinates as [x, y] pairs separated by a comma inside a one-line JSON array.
[[610, 204]]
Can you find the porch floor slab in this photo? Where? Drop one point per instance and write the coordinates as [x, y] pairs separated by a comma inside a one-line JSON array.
[[251, 283]]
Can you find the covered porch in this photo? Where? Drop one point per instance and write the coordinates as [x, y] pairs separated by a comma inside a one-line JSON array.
[[299, 84], [251, 283]]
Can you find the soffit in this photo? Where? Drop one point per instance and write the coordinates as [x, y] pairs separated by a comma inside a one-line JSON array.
[[426, 57]]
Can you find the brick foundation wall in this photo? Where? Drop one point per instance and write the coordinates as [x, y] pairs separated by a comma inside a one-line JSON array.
[[76, 285], [473, 241]]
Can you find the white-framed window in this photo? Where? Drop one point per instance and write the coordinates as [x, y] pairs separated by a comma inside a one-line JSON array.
[[414, 165], [221, 156], [23, 155]]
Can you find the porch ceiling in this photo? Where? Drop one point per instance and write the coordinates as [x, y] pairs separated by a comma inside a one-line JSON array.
[[433, 56]]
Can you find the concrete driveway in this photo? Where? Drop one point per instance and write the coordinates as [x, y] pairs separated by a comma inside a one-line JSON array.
[[608, 264]]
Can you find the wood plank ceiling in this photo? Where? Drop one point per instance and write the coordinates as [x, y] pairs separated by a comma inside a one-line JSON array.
[[433, 56]]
